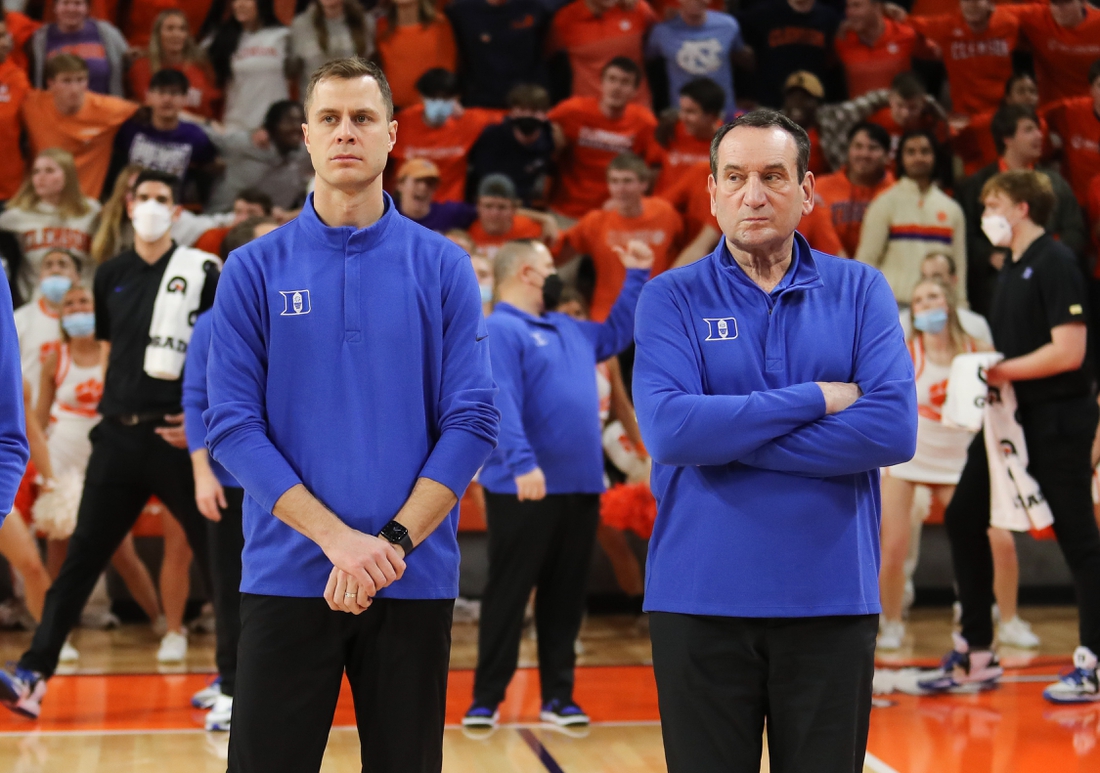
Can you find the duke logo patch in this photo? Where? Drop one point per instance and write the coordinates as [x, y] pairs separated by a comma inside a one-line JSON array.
[[721, 329], [295, 302]]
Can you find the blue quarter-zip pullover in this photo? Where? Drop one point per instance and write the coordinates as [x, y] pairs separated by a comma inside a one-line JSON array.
[[195, 398], [545, 368], [353, 362], [767, 507], [14, 451]]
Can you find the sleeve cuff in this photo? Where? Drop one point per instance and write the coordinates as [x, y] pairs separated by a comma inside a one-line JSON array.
[[457, 455]]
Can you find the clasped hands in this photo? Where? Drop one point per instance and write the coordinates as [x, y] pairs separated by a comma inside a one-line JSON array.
[[362, 565]]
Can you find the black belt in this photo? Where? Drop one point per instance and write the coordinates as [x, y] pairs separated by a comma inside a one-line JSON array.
[[133, 419]]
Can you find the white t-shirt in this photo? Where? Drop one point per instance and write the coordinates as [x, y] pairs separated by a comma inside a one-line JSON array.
[[305, 46], [39, 331], [42, 229], [259, 77]]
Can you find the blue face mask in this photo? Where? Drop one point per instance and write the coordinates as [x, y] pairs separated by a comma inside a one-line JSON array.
[[436, 111], [931, 321], [55, 287], [486, 293], [79, 325]]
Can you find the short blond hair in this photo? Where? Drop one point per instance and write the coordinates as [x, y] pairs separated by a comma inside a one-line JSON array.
[[1025, 186], [347, 69]]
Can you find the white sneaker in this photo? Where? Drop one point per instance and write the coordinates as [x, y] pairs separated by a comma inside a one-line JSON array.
[[173, 647], [218, 718], [207, 696], [69, 653], [1017, 633], [1081, 685], [891, 635]]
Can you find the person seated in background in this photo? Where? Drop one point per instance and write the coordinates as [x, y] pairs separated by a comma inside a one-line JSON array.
[[847, 192], [498, 222], [685, 133], [971, 138], [1019, 141], [171, 45], [250, 203], [97, 42], [414, 195], [521, 147], [941, 266], [603, 234], [440, 130]]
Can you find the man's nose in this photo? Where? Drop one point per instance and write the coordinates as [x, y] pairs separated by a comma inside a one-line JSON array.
[[754, 192]]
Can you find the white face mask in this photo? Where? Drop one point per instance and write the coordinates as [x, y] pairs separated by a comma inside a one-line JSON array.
[[151, 220], [997, 229]]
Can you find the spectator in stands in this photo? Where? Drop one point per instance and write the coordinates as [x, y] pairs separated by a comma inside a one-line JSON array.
[[172, 46], [249, 55], [250, 203], [1019, 142], [591, 33], [413, 37], [520, 147], [49, 212], [789, 36], [699, 43], [1077, 122], [1065, 41], [941, 266], [156, 138], [13, 83], [138, 18], [97, 42], [847, 192], [972, 140], [630, 215], [912, 217], [279, 165], [874, 49], [114, 232], [69, 117], [802, 98], [37, 322], [483, 270], [441, 130], [417, 182], [590, 132], [327, 30], [500, 46], [685, 133], [497, 220]]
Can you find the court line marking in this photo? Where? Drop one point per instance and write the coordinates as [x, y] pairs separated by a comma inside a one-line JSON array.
[[540, 751], [876, 765]]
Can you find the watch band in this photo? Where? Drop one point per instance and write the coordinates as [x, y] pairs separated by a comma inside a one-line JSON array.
[[397, 534]]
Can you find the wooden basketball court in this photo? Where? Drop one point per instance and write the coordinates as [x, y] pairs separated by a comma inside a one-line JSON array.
[[116, 711]]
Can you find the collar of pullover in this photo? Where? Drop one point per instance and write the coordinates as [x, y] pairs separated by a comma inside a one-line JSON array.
[[802, 274], [338, 237]]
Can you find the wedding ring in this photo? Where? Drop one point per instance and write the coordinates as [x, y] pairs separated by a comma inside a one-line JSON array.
[[346, 595]]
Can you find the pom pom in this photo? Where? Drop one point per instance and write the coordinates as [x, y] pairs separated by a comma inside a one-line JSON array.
[[629, 507], [55, 510]]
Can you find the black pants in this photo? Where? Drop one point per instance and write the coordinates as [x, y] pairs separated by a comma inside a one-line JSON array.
[[545, 544], [226, 545], [719, 678], [293, 655], [127, 466], [1059, 441]]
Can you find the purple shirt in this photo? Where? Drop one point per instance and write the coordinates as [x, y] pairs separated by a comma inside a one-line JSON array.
[[444, 215], [88, 46], [168, 151]]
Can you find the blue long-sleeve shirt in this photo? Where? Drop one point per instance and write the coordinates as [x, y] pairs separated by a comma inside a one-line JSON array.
[[545, 368], [14, 451], [768, 507], [353, 362], [195, 399]]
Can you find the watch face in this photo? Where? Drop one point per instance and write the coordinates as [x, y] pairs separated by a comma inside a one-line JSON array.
[[394, 532]]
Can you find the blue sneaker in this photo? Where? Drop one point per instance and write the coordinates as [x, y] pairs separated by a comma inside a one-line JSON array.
[[964, 671], [563, 713], [481, 715], [22, 691], [1080, 685], [207, 696]]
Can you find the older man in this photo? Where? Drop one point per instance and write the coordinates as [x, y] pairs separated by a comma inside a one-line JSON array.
[[772, 382]]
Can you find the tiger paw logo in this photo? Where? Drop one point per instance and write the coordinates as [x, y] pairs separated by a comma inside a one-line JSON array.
[[177, 284], [89, 392]]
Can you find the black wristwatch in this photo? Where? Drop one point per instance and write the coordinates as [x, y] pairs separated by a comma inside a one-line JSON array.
[[398, 535]]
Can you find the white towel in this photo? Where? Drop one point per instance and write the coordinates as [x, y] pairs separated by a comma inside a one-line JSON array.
[[966, 389], [1015, 501], [174, 311]]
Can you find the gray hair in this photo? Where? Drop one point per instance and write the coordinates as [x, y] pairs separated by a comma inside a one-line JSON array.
[[765, 118]]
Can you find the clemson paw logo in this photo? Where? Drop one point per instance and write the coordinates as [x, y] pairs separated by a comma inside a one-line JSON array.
[[89, 392], [937, 394]]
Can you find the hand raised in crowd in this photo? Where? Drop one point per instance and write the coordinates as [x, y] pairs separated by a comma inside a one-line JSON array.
[[174, 435], [636, 254], [838, 395], [531, 486], [362, 566]]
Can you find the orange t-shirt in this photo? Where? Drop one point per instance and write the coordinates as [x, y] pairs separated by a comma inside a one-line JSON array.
[[211, 241], [446, 145], [847, 203], [1076, 122], [591, 41], [21, 28], [1062, 56], [684, 151], [870, 67], [977, 64], [523, 227], [14, 86], [928, 122], [598, 232], [411, 51], [691, 198], [593, 141], [88, 134], [818, 229], [138, 27], [201, 99]]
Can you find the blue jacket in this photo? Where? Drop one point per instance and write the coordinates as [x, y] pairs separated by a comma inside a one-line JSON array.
[[545, 368], [14, 451], [766, 506], [353, 362], [194, 395]]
